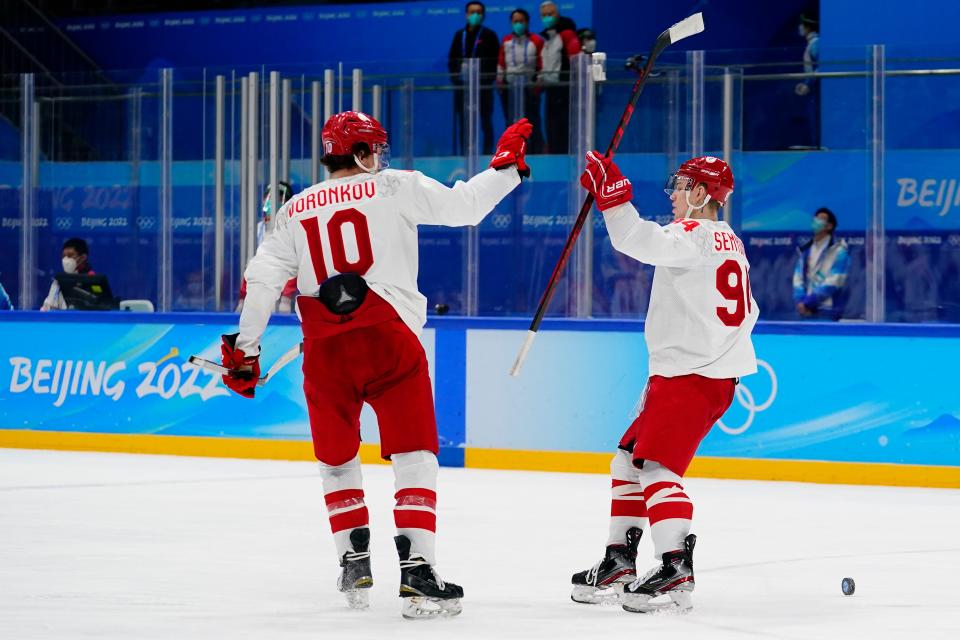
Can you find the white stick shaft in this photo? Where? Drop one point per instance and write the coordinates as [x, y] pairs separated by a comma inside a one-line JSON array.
[[524, 350], [209, 366], [281, 362]]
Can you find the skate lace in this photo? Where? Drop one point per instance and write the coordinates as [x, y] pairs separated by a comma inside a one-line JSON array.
[[639, 581], [416, 562], [350, 556]]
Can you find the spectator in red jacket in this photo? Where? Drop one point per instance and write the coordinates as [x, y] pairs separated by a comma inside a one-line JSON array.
[[560, 42], [518, 64]]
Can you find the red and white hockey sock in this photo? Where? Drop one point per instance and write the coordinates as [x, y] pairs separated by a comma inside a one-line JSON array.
[[343, 493], [668, 507], [415, 513], [627, 506]]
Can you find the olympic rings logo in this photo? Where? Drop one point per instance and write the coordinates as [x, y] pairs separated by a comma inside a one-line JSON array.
[[64, 223], [745, 397], [502, 220]]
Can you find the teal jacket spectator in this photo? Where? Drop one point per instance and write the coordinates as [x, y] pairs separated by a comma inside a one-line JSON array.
[[5, 304], [821, 270]]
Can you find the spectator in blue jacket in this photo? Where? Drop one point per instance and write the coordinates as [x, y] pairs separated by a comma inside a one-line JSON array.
[[5, 304], [821, 271]]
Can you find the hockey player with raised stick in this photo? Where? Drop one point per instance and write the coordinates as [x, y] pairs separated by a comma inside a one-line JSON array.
[[351, 241], [697, 330]]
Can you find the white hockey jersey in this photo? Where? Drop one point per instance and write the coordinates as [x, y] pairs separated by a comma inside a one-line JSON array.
[[364, 224], [701, 310]]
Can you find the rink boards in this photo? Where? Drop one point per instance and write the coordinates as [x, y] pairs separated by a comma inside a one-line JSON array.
[[859, 404]]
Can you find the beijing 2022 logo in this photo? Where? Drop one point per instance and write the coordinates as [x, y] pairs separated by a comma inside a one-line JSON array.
[[746, 399]]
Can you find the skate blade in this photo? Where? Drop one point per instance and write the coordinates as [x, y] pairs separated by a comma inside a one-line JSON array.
[[672, 603], [609, 595], [423, 608], [359, 596]]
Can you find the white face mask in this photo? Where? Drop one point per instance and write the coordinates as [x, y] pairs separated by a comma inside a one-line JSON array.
[[69, 265]]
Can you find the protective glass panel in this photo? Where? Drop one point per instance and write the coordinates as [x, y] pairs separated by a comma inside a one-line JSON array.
[[93, 173], [787, 171], [11, 178]]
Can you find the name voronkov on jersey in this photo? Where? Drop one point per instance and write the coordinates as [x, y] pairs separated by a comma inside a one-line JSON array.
[[339, 194]]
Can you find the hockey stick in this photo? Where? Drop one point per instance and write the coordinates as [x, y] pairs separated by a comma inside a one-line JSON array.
[[281, 362], [684, 29]]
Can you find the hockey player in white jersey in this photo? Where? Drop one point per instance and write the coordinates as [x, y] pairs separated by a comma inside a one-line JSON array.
[[351, 242], [697, 330]]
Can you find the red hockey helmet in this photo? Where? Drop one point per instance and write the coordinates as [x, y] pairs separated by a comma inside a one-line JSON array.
[[713, 172], [343, 130]]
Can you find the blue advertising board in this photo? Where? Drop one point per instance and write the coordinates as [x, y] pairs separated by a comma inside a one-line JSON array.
[[823, 392], [136, 378], [814, 397]]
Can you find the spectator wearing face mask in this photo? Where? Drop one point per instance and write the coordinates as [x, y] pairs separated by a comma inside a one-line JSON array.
[[517, 67], [821, 271], [473, 41], [560, 42], [74, 258]]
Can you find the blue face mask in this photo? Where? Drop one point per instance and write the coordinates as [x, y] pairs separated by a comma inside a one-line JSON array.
[[818, 225], [549, 22], [519, 28], [474, 19]]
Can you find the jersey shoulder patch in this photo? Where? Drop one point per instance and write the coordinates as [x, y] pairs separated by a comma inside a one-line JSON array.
[[390, 181]]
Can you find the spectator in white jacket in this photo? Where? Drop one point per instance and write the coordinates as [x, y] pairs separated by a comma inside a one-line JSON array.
[[75, 259]]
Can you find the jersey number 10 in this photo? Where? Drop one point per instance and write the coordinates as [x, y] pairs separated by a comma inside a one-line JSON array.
[[733, 285], [341, 263]]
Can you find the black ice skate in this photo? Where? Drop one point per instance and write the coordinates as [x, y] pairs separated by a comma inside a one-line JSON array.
[[673, 579], [424, 593], [356, 578], [604, 582]]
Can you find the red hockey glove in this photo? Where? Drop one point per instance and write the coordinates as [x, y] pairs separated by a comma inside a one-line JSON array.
[[604, 180], [512, 147], [234, 358]]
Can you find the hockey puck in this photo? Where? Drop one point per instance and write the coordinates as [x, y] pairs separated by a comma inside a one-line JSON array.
[[441, 309], [848, 586]]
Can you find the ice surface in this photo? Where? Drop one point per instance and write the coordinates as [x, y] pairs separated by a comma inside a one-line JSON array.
[[123, 546]]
